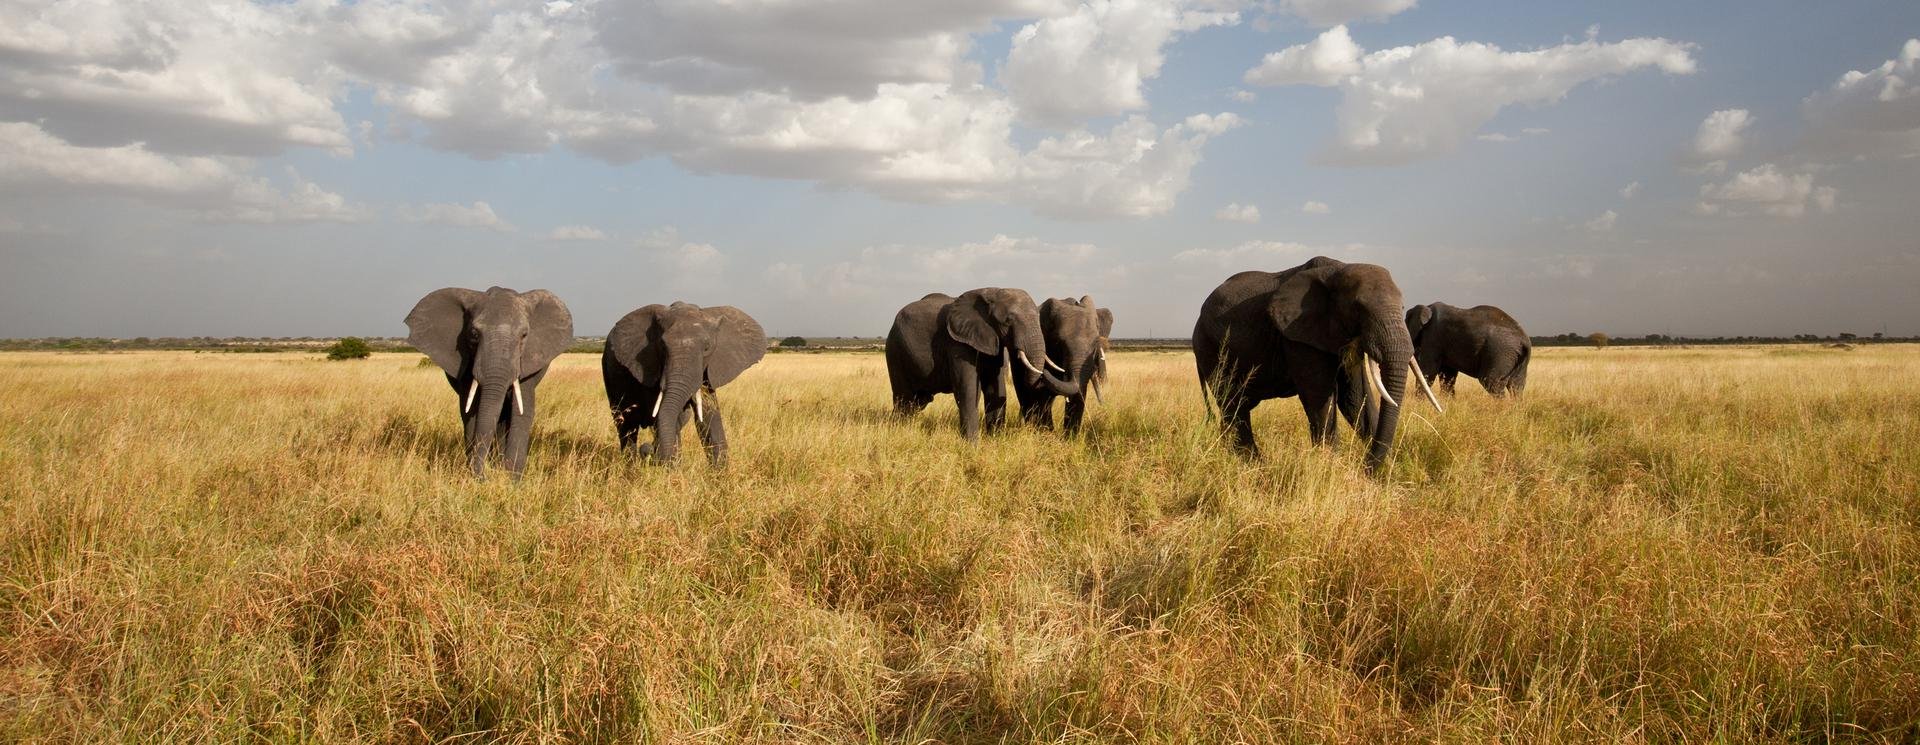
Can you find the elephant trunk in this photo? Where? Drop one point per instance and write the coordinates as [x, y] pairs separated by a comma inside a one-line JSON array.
[[492, 396], [1391, 348], [682, 384], [1030, 353]]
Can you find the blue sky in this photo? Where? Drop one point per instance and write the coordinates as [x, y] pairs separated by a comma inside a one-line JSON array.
[[314, 167]]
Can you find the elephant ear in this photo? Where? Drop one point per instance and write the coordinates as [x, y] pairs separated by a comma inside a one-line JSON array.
[[438, 327], [966, 321], [1106, 323], [635, 343], [1418, 318], [1302, 309], [738, 343], [549, 330]]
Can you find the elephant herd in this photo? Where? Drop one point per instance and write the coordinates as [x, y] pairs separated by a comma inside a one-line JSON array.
[[1328, 332]]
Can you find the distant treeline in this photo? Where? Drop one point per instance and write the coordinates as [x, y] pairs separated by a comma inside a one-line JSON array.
[[593, 344]]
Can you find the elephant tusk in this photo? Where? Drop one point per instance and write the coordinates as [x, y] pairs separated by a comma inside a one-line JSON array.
[[1006, 358], [699, 413], [473, 392], [1422, 377], [519, 406], [1373, 369], [656, 403], [1094, 383], [1055, 365], [1029, 364]]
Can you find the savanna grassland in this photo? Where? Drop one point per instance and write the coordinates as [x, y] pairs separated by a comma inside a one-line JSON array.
[[1655, 546]]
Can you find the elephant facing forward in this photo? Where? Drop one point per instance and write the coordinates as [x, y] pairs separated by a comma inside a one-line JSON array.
[[494, 347], [958, 345], [662, 360], [1076, 332], [1327, 331], [1483, 342]]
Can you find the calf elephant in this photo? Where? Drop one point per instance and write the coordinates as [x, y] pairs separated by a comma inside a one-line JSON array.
[[1482, 341], [943, 344], [492, 344], [1076, 332], [1327, 331], [663, 359]]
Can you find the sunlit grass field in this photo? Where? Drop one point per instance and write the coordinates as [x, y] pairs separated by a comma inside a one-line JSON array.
[[1654, 546]]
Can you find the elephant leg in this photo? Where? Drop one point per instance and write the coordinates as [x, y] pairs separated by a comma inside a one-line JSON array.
[[993, 388], [907, 404], [520, 433], [1038, 411], [1238, 419], [713, 431], [1319, 406], [1076, 409], [966, 395], [1447, 379]]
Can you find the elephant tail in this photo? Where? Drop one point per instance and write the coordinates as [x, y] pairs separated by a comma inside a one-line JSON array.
[[1517, 377]]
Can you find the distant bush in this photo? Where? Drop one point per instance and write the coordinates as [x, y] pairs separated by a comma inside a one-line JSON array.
[[349, 348], [794, 341], [1599, 340], [424, 362]]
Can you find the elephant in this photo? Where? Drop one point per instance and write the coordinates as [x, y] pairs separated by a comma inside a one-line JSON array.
[[1075, 331], [663, 359], [492, 344], [943, 344], [1482, 341], [1327, 331]]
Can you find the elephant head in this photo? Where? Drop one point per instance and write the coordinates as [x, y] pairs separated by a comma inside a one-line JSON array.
[[679, 349], [1076, 332], [487, 343], [1005, 323], [1352, 311], [1419, 317]]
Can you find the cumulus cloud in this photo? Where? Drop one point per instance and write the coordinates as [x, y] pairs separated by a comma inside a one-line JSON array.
[[1722, 135], [1313, 207], [875, 95], [216, 77], [1237, 212], [1630, 191], [1604, 223], [1258, 254], [1333, 12], [1096, 61], [1412, 102], [1769, 190], [1870, 112], [1243, 96], [576, 233], [476, 215], [35, 163]]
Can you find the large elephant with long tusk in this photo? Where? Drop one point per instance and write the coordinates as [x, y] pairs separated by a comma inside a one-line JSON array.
[[1327, 331], [960, 345], [663, 360], [1076, 332], [494, 347]]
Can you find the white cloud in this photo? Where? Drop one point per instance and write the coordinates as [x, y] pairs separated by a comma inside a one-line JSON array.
[[1243, 96], [576, 233], [1604, 223], [880, 272], [1630, 190], [1722, 135], [476, 215], [1412, 102], [1258, 254], [1768, 189], [35, 163], [1333, 12], [1870, 112], [1096, 61], [1313, 207], [875, 95], [1237, 212], [1504, 137], [211, 77]]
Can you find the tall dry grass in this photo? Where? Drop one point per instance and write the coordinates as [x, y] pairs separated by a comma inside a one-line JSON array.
[[1656, 545]]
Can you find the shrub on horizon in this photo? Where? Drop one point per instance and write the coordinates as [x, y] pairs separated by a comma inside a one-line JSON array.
[[349, 348]]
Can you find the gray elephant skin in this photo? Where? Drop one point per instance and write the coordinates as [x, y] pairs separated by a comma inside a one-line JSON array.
[[1076, 333], [958, 345], [1327, 331], [1482, 341], [494, 347], [662, 360]]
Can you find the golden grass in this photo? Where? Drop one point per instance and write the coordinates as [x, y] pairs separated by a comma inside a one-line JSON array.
[[1656, 545]]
